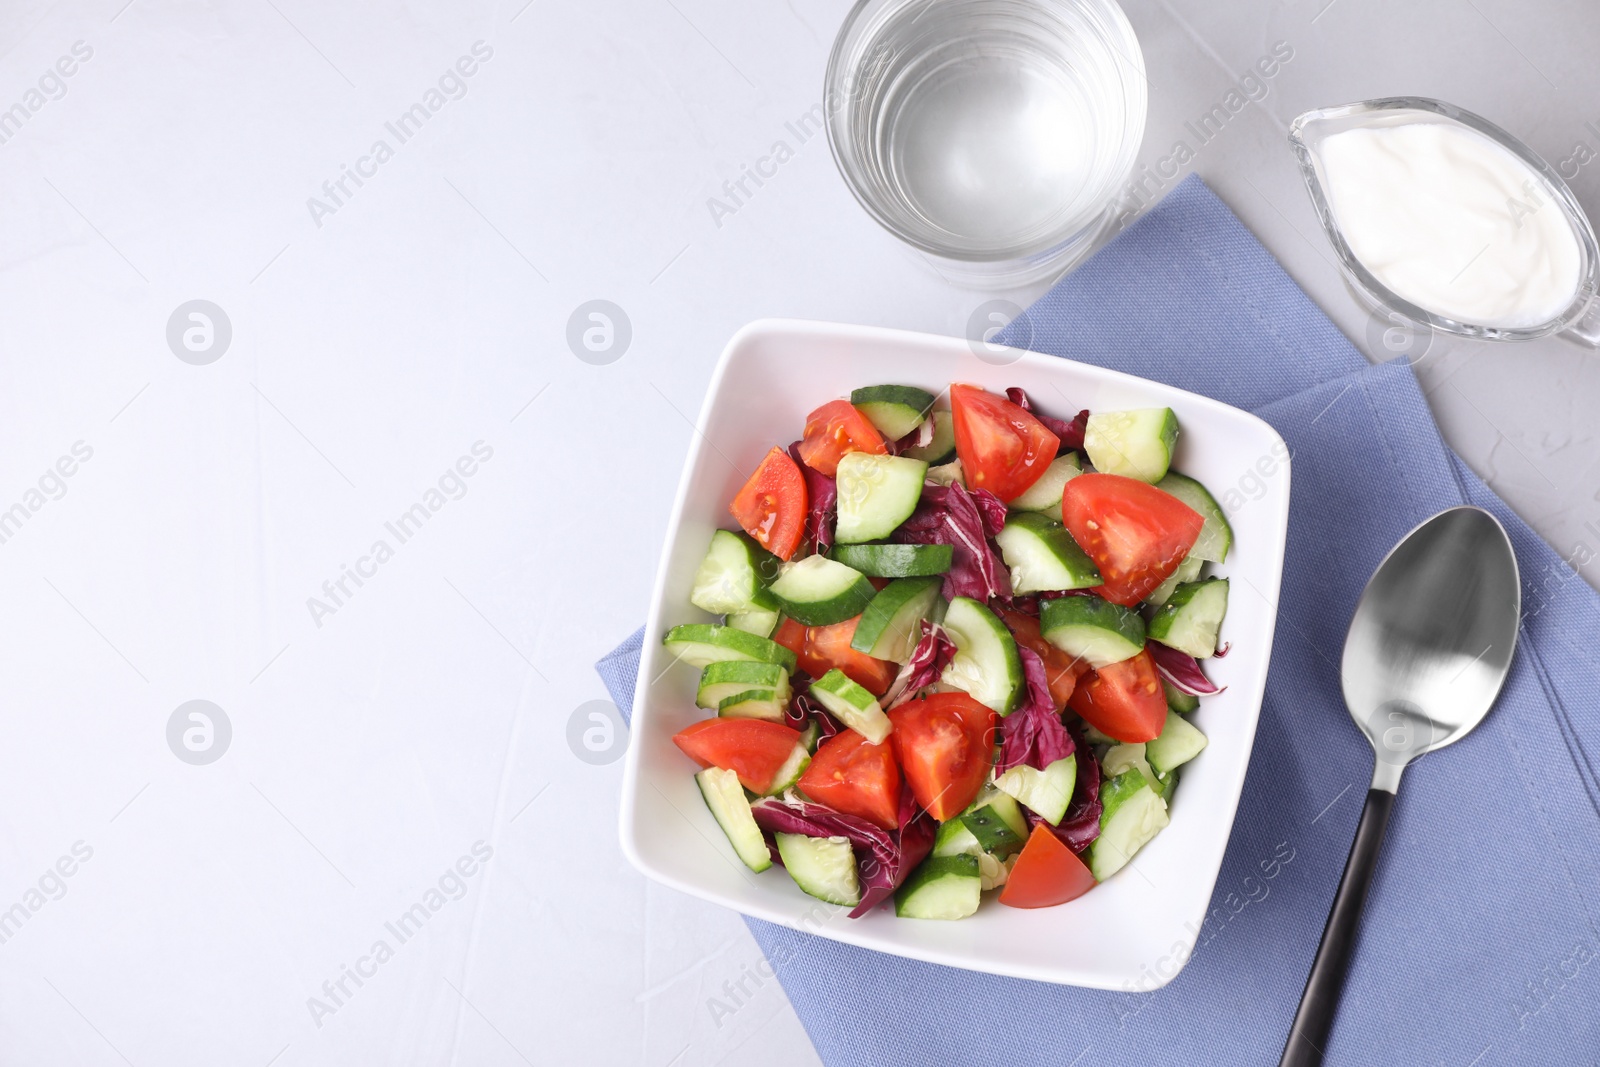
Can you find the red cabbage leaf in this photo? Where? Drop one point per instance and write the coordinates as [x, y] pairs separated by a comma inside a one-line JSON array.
[[1182, 670], [928, 660], [883, 859], [824, 495], [1081, 824], [949, 515], [1033, 734], [1070, 433]]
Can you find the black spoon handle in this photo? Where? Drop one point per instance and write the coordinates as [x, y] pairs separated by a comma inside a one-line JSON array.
[[1314, 1021]]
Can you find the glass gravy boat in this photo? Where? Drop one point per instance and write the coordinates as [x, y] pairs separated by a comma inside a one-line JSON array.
[[1580, 321]]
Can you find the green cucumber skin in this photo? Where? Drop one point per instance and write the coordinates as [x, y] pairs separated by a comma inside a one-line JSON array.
[[895, 410], [1146, 457], [725, 798], [852, 704], [1092, 629], [1216, 536], [988, 633], [845, 597], [941, 888], [1178, 700], [891, 626], [734, 574], [1133, 814], [942, 449], [1187, 570], [1042, 556], [993, 833], [896, 561], [875, 495], [1180, 742], [808, 861], [1046, 793], [1045, 494], [1190, 619], [735, 643], [758, 621]]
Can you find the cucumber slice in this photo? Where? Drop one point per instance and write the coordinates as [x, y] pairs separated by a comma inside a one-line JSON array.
[[724, 678], [1136, 444], [992, 823], [998, 828], [876, 494], [896, 561], [790, 772], [758, 621], [765, 704], [986, 664], [942, 887], [1187, 571], [734, 575], [851, 704], [1133, 814], [698, 644], [1177, 699], [942, 449], [1043, 557], [892, 624], [948, 474], [1120, 759], [725, 797], [1180, 742], [1045, 494], [811, 736], [1096, 631], [1216, 536], [954, 839], [824, 867], [895, 410], [1046, 793], [1095, 737], [817, 591], [1189, 621]]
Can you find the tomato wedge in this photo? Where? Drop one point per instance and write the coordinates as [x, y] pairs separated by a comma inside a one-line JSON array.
[[832, 430], [852, 775], [1046, 874], [945, 743], [772, 504], [753, 749], [1060, 670], [822, 648], [1001, 447], [1124, 700], [1135, 533]]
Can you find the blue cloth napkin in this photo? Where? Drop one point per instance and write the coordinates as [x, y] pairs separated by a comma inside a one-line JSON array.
[[1480, 944]]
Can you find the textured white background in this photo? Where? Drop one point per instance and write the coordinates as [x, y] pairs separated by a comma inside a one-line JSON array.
[[372, 351]]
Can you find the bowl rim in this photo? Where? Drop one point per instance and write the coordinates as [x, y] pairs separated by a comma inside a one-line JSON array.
[[1058, 974]]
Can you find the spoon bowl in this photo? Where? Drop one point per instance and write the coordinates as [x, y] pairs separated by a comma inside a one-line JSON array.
[[1432, 638]]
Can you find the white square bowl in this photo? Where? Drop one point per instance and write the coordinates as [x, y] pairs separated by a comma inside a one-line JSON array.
[[1137, 929]]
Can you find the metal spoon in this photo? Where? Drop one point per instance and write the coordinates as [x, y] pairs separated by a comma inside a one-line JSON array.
[[1428, 650]]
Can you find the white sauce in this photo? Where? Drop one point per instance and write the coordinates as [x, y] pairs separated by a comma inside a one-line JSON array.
[[1452, 222]]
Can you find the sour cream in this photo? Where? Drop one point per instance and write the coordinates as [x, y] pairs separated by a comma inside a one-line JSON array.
[[1453, 222]]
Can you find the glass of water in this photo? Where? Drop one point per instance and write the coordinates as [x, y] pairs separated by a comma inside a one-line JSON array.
[[992, 135]]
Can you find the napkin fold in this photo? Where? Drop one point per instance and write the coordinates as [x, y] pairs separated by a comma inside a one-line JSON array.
[[1480, 942]]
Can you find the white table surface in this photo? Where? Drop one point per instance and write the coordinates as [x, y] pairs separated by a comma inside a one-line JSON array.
[[375, 345]]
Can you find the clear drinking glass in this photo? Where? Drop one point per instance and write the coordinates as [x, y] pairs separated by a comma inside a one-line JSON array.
[[1581, 319], [993, 135]]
